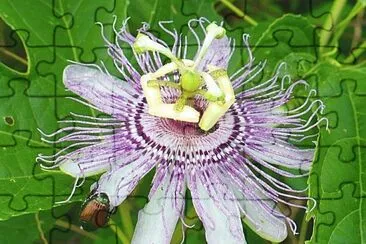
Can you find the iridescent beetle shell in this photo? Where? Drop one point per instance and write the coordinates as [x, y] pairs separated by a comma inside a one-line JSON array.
[[95, 211]]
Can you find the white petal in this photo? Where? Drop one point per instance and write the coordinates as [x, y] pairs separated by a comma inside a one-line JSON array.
[[98, 88], [97, 158], [156, 222], [82, 170], [88, 161], [262, 221], [119, 183], [219, 226]]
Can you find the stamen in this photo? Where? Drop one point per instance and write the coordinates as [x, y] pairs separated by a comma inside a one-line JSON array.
[[212, 86], [213, 32], [143, 43]]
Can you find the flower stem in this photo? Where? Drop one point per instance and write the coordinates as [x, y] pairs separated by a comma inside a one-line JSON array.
[[238, 12], [344, 23], [124, 213], [14, 56], [39, 227], [357, 29], [221, 7], [356, 52], [76, 229], [339, 28], [303, 230], [330, 22], [122, 236]]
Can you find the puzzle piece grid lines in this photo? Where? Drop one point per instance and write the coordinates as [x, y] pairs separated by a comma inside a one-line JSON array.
[[64, 22]]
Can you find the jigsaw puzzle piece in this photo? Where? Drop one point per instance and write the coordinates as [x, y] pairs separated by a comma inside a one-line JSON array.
[[343, 95], [20, 112], [344, 128], [62, 30], [197, 9], [66, 227], [357, 54], [340, 220], [51, 69], [12, 50], [340, 172], [24, 187], [81, 29], [344, 171], [287, 40], [39, 85], [33, 228], [13, 13]]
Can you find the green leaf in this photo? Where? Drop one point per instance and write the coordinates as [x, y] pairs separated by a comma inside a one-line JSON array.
[[26, 227], [180, 12], [290, 34], [57, 225], [338, 177], [52, 34]]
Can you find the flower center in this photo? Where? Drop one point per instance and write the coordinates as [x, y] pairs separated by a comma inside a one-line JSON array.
[[170, 133], [214, 85], [188, 129], [181, 127]]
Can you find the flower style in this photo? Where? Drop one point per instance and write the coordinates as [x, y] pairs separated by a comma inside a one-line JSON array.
[[227, 164]]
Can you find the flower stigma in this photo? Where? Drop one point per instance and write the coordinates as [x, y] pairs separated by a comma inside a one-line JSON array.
[[215, 86]]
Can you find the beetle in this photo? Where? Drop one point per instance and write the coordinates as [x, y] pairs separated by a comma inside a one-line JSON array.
[[95, 211]]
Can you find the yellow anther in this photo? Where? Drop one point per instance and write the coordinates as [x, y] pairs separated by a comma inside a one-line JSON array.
[[214, 110]]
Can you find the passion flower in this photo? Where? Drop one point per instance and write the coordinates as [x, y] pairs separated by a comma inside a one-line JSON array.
[[191, 121]]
